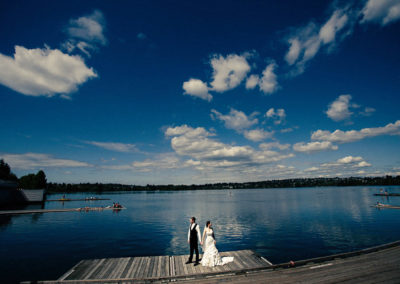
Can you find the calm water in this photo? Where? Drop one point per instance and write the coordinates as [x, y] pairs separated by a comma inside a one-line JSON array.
[[280, 224]]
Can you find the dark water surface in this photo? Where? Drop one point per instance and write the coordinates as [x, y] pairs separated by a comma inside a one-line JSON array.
[[280, 224]]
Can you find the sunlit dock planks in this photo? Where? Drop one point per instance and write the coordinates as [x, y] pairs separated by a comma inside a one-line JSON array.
[[379, 264], [156, 268]]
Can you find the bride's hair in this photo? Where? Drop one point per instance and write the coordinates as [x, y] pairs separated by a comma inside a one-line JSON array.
[[207, 223]]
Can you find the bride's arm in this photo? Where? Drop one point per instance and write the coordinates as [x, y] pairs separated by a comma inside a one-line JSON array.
[[204, 233]]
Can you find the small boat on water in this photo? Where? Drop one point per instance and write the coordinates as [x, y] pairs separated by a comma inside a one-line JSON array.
[[385, 206]]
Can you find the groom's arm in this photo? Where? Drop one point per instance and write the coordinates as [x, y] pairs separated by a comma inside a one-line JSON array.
[[189, 235], [198, 233]]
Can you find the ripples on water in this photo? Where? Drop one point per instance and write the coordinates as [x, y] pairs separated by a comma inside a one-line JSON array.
[[280, 224]]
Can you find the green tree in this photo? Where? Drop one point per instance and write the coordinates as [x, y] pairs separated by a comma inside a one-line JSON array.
[[41, 181], [32, 181], [5, 172]]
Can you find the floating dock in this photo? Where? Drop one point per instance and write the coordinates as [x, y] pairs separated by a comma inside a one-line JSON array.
[[378, 264], [33, 211], [386, 194], [386, 206], [79, 199]]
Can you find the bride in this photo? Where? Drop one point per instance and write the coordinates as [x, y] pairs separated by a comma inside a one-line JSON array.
[[211, 256]]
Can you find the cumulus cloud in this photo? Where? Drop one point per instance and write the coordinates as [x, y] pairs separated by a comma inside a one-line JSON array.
[[43, 72], [197, 88], [314, 146], [349, 165], [114, 146], [278, 116], [354, 162], [305, 42], [252, 81], [236, 120], [88, 28], [342, 109], [339, 136], [228, 72], [382, 12], [38, 161], [339, 109], [207, 153], [256, 135], [268, 82]]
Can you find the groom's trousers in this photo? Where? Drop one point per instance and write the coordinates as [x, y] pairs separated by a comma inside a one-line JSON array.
[[194, 247]]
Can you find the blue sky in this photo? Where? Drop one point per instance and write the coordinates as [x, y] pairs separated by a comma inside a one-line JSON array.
[[182, 92]]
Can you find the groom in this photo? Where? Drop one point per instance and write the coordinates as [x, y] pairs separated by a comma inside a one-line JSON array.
[[193, 239]]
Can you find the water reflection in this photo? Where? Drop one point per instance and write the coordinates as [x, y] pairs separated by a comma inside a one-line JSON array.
[[280, 224]]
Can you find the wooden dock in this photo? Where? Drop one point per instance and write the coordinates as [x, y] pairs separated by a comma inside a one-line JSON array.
[[379, 264], [34, 211], [78, 199]]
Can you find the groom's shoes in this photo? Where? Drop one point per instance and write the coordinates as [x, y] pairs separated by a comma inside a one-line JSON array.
[[196, 263], [187, 262]]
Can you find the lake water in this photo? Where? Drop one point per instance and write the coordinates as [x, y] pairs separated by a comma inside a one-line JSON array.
[[280, 224]]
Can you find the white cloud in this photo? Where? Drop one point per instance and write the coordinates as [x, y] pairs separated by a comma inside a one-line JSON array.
[[339, 136], [305, 42], [314, 146], [38, 161], [381, 11], [88, 28], [339, 109], [196, 144], [43, 72], [113, 146], [252, 81], [347, 162], [236, 120], [257, 134], [228, 72], [278, 116], [85, 33], [197, 88], [268, 82]]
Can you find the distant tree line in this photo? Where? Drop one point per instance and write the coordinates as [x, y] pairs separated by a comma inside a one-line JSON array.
[[29, 181], [38, 180], [286, 183]]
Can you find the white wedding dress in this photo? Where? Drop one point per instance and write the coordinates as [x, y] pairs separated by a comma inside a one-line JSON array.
[[211, 256]]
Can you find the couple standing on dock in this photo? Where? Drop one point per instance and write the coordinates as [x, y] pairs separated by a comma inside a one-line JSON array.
[[211, 256]]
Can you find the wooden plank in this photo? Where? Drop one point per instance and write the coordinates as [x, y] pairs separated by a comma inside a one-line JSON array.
[[89, 267], [159, 266], [143, 267], [116, 273], [137, 266], [151, 267], [184, 266], [107, 263], [69, 272], [99, 263], [131, 271], [172, 266], [80, 269], [122, 267], [127, 267]]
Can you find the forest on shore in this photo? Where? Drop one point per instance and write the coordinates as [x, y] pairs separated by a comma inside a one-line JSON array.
[[39, 180]]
